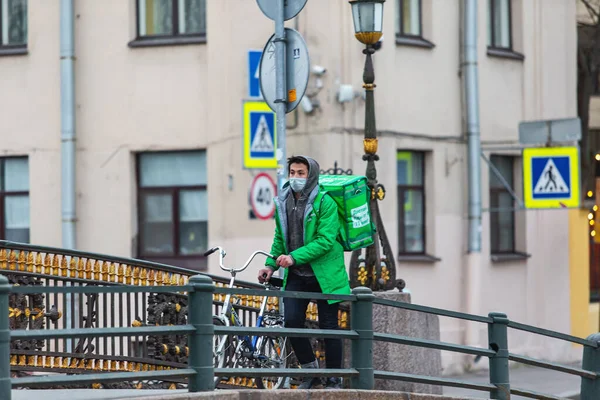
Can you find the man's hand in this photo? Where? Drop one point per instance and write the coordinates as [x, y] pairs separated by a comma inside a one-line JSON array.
[[285, 261], [264, 275]]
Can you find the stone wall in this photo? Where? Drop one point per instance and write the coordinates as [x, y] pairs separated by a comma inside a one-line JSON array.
[[299, 395]]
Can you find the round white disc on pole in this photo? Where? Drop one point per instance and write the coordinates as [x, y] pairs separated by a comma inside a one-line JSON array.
[[291, 8], [262, 192], [297, 70]]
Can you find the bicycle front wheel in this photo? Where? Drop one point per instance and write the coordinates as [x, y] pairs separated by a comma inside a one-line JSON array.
[[273, 353], [221, 350]]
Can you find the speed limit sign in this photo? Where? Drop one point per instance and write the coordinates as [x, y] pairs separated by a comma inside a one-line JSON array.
[[262, 192]]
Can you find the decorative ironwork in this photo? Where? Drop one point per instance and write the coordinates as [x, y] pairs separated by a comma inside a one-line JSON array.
[[336, 170], [373, 269], [27, 311]]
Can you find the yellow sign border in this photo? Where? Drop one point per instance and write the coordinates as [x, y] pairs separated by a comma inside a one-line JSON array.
[[573, 154], [248, 161]]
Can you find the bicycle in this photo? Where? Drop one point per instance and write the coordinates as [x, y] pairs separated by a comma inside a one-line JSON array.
[[243, 351]]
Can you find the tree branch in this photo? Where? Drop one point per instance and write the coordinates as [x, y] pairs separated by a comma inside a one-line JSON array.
[[590, 9]]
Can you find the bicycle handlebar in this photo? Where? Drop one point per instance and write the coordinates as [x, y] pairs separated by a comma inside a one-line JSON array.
[[223, 253]]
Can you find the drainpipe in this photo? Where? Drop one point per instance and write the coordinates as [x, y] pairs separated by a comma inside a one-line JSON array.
[[471, 114], [67, 114]]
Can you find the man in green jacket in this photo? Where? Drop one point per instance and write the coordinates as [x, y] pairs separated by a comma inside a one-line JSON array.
[[306, 245]]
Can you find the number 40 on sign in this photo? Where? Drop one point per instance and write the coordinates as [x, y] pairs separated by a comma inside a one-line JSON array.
[[262, 192]]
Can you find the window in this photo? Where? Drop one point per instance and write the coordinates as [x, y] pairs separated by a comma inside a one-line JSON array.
[[169, 18], [14, 199], [502, 215], [173, 206], [409, 18], [411, 202], [500, 24], [13, 23]]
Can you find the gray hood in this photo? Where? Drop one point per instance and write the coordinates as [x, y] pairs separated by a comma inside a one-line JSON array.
[[313, 176]]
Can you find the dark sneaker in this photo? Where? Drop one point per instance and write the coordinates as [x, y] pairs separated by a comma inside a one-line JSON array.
[[310, 382], [333, 383]]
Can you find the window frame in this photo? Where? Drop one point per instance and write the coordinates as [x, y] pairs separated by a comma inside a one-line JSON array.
[[494, 193], [491, 14], [4, 194], [174, 36], [13, 49], [401, 190], [174, 191], [400, 33]]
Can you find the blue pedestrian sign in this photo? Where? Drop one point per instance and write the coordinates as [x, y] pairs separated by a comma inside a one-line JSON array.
[[259, 135], [262, 127], [551, 177], [254, 73]]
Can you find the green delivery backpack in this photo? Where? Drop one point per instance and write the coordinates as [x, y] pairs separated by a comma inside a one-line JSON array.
[[352, 195]]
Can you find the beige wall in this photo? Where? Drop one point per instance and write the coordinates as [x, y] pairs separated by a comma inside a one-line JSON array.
[[183, 97]]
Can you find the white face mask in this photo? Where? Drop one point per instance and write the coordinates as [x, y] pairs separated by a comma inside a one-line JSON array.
[[297, 184]]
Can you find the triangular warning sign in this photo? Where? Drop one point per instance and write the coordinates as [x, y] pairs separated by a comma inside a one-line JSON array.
[[262, 142], [551, 181]]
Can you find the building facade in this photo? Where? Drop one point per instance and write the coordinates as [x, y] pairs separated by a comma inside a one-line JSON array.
[[159, 87], [588, 22]]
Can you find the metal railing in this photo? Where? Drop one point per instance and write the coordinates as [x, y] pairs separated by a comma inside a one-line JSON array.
[[42, 266], [199, 329]]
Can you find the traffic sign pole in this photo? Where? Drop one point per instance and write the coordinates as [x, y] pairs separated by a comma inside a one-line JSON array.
[[280, 90], [283, 10]]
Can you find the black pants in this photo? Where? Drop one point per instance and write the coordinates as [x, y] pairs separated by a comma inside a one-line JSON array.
[[295, 317]]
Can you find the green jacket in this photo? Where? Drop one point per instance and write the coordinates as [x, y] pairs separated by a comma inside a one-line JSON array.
[[321, 249]]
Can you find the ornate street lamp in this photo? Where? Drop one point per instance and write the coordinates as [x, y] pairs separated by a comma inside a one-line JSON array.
[[374, 270]]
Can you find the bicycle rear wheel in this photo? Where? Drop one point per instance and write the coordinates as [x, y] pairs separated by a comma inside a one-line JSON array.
[[273, 353]]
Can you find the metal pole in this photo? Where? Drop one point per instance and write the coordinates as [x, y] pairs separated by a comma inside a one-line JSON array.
[[5, 387], [67, 113], [472, 269], [471, 87], [362, 348], [280, 93], [590, 388], [498, 341], [200, 342], [281, 98]]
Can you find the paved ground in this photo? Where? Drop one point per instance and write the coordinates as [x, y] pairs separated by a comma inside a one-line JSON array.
[[525, 377], [85, 394]]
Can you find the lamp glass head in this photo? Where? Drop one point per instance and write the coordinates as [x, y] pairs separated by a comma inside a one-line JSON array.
[[368, 20]]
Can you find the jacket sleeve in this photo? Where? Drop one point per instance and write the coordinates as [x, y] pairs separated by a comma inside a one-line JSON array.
[[277, 247], [328, 226]]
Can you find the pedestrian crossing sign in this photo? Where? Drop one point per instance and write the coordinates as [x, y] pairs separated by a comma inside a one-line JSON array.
[[259, 136], [551, 177]]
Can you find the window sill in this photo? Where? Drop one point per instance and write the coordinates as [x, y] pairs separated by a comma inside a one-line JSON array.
[[418, 258], [166, 41], [414, 41], [505, 53], [508, 257], [13, 51]]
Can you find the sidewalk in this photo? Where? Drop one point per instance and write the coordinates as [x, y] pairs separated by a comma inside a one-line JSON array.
[[524, 377]]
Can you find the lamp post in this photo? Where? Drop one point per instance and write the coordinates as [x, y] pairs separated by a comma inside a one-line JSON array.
[[374, 270]]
